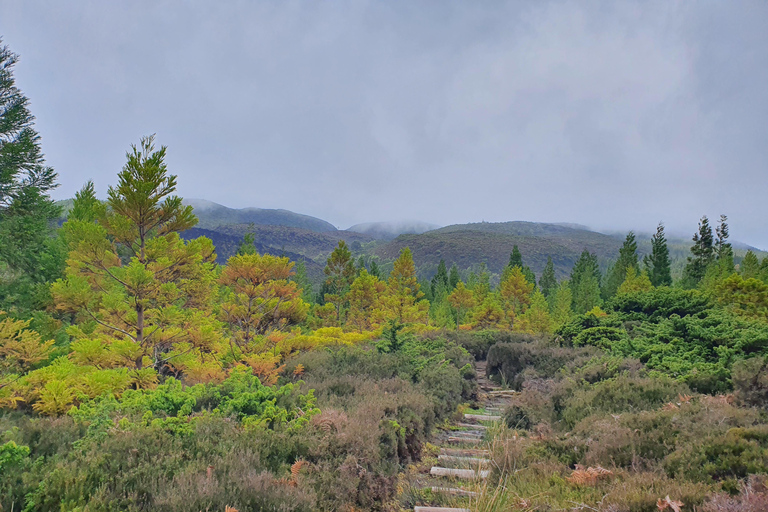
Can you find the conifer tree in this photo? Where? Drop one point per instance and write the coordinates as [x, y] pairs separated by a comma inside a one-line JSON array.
[[548, 281], [634, 282], [702, 254], [439, 283], [148, 291], [29, 256], [303, 282], [657, 264], [247, 245], [462, 300], [402, 301], [562, 300], [340, 271], [536, 319], [514, 294], [585, 283], [453, 277], [364, 297], [618, 272], [375, 271], [749, 266], [516, 260]]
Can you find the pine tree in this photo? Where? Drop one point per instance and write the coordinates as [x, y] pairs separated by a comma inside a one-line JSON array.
[[453, 277], [146, 289], [375, 270], [750, 266], [364, 297], [340, 271], [585, 283], [514, 293], [657, 264], [402, 301], [562, 300], [30, 257], [439, 284], [548, 281], [618, 272], [462, 301], [536, 319], [247, 246], [702, 255], [635, 283], [303, 282], [516, 260]]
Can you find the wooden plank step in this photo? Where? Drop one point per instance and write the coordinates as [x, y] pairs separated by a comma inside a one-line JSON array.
[[460, 433], [503, 392], [464, 452], [464, 474], [472, 425], [455, 492], [476, 461], [439, 509], [468, 440], [482, 417]]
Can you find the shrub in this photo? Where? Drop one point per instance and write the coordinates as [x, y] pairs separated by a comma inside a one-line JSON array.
[[621, 394], [750, 381], [507, 361]]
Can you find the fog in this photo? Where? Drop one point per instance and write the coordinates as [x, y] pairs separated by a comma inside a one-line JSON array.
[[615, 115]]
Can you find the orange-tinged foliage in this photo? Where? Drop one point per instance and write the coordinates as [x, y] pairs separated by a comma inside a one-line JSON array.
[[20, 347], [589, 476], [262, 298]]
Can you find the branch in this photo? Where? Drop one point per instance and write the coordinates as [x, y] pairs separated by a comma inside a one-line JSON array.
[[109, 326]]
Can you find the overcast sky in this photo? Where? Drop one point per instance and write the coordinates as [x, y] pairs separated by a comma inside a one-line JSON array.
[[611, 114]]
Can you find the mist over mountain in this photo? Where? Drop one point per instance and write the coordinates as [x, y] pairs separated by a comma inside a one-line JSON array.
[[391, 229]]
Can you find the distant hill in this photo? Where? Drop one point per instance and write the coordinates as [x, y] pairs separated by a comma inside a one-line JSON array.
[[491, 243], [390, 230], [211, 215], [309, 244], [227, 245]]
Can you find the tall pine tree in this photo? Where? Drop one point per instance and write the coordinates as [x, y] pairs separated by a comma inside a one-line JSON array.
[[618, 272], [702, 254], [516, 260], [585, 283], [657, 263], [30, 257], [548, 281]]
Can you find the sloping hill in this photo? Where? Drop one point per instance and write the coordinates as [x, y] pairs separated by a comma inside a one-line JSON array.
[[310, 244], [491, 243], [211, 215], [390, 230], [227, 245]]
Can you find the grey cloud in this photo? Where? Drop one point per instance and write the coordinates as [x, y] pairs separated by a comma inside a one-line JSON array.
[[611, 114]]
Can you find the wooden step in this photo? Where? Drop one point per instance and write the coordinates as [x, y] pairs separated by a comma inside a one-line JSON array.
[[439, 509], [482, 417], [464, 452], [497, 392], [459, 433], [468, 440], [455, 492], [464, 474], [472, 425], [472, 461]]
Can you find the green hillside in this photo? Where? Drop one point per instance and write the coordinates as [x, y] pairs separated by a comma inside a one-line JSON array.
[[211, 215], [491, 243]]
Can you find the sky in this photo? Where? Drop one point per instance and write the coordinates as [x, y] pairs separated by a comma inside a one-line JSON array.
[[616, 115]]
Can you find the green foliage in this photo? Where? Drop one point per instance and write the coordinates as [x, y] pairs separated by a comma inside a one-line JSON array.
[[585, 283], [30, 257], [618, 272], [702, 254], [548, 281], [657, 264]]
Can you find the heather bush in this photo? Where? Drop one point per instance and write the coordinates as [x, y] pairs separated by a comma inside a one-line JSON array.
[[507, 362]]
